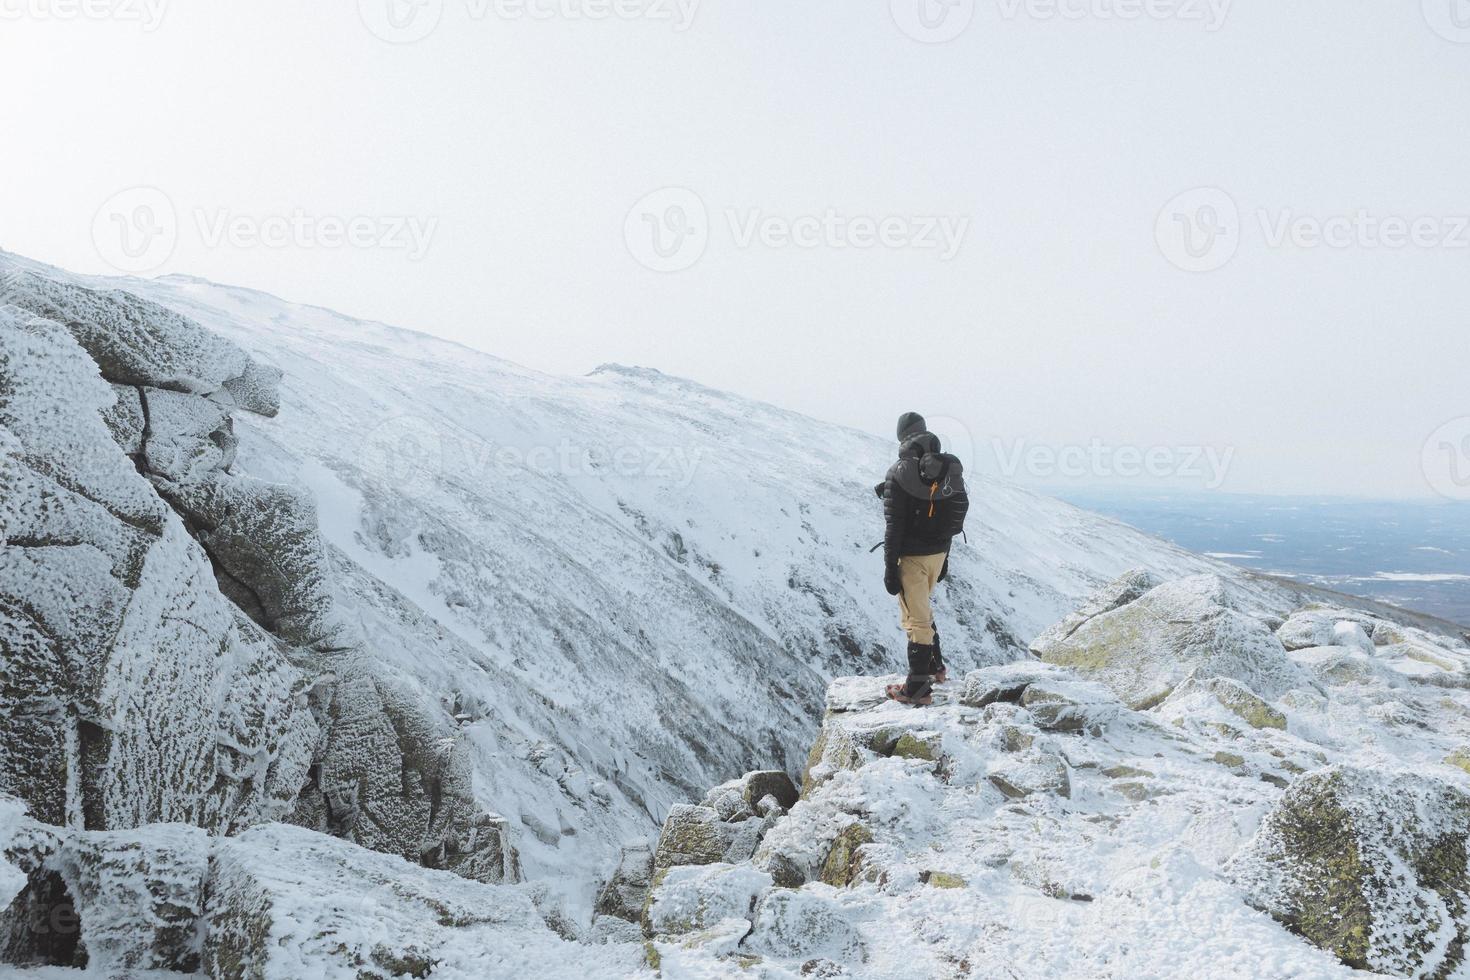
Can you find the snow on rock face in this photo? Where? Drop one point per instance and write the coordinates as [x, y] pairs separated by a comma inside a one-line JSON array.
[[104, 596], [1142, 650], [165, 622], [1370, 865], [132, 341], [268, 556], [285, 902], [395, 777], [139, 895]]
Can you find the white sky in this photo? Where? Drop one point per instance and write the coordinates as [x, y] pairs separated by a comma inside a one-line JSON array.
[[1059, 321]]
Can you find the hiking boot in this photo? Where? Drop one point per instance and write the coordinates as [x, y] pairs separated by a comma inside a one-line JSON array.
[[918, 689]]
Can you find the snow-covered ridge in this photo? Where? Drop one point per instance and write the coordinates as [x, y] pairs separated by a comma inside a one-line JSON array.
[[626, 586], [1296, 804]]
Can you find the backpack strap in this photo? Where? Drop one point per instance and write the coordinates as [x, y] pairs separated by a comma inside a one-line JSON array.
[[934, 486]]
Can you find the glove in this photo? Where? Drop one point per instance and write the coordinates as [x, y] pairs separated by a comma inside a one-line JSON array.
[[944, 572], [891, 580], [882, 485]]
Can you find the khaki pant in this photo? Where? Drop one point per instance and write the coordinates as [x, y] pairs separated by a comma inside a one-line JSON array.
[[918, 574]]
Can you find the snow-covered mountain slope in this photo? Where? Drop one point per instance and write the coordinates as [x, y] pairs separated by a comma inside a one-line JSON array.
[[623, 587], [627, 585], [264, 564]]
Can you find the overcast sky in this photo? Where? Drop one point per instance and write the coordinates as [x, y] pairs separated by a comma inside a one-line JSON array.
[[1093, 235]]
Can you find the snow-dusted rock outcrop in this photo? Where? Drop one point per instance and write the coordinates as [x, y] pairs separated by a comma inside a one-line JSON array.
[[284, 902], [1032, 824], [134, 691], [169, 638], [1371, 865], [1142, 649]]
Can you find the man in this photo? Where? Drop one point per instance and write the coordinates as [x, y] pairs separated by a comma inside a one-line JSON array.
[[924, 507]]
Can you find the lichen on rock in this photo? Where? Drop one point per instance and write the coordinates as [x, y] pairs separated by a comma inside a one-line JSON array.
[[1369, 865]]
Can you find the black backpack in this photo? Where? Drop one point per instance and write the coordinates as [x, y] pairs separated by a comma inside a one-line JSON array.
[[941, 513]]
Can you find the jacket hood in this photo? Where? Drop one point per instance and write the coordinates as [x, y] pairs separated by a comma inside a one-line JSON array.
[[911, 424]]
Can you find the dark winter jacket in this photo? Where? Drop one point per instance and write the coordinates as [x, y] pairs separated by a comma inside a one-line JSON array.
[[906, 497]]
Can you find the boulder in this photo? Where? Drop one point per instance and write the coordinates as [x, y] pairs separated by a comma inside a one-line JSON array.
[[1128, 587], [740, 799], [268, 554], [1319, 627], [625, 893], [396, 776], [1070, 706], [1369, 865], [834, 750], [286, 902], [1029, 773], [132, 341], [139, 895], [691, 835], [801, 925], [1338, 666], [104, 594], [1142, 650], [924, 746], [1234, 696], [186, 437], [1003, 684], [689, 899], [844, 859]]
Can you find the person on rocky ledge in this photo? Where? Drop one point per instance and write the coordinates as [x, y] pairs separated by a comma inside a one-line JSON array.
[[924, 507]]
